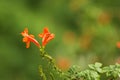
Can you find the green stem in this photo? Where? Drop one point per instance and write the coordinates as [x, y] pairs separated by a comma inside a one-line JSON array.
[[41, 73], [52, 77], [50, 60]]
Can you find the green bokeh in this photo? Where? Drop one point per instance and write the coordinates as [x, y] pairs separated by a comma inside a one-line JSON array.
[[85, 31]]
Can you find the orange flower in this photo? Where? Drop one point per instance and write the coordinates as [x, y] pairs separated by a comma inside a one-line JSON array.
[[118, 44], [46, 36], [29, 38], [63, 63]]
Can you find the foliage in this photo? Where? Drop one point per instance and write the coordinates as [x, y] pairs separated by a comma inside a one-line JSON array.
[[112, 71], [94, 72]]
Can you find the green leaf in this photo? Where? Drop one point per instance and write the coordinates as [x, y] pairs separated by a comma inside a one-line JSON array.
[[97, 64], [99, 70], [91, 66]]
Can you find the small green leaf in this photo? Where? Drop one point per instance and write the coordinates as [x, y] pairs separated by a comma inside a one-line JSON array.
[[99, 70], [91, 66], [97, 64]]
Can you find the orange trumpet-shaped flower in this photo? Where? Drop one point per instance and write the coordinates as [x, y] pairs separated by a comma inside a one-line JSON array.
[[46, 36], [29, 38]]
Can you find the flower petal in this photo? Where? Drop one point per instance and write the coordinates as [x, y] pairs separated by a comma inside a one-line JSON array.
[[26, 30], [32, 39], [45, 37], [25, 39], [32, 36], [51, 36], [40, 35], [46, 30], [28, 44]]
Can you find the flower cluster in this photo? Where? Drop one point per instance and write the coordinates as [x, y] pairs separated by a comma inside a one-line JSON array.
[[46, 37]]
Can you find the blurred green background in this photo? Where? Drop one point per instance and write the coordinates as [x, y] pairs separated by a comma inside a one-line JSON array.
[[85, 31]]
